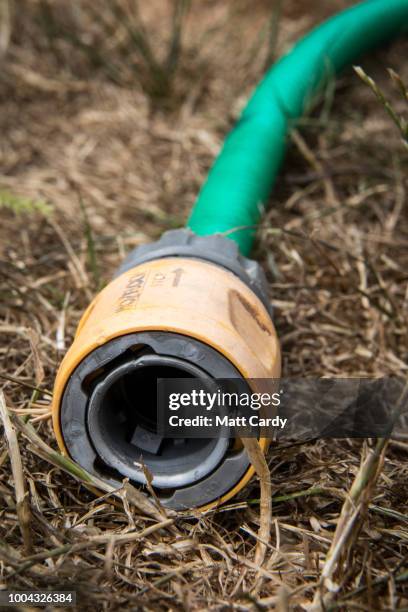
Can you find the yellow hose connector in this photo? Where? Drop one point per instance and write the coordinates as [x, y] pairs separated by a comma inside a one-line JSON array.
[[183, 313]]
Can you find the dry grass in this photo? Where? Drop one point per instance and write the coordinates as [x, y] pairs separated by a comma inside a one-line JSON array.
[[96, 160]]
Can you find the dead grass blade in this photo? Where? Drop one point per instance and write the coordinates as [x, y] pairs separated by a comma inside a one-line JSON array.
[[34, 340], [257, 458], [5, 27], [181, 8], [348, 525], [25, 384], [399, 121], [22, 503], [352, 514]]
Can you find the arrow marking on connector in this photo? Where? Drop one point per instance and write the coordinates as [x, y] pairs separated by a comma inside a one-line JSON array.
[[177, 276]]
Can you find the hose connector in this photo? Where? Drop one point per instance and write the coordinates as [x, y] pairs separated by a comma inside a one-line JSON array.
[[185, 306]]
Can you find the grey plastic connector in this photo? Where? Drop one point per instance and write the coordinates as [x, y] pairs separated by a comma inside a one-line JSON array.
[[216, 249], [108, 413]]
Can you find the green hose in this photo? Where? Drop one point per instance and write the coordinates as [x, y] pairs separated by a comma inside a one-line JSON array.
[[237, 189]]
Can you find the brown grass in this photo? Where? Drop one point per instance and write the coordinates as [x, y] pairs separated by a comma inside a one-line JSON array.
[[96, 159]]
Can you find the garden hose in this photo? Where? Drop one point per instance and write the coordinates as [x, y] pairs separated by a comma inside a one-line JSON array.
[[192, 305]]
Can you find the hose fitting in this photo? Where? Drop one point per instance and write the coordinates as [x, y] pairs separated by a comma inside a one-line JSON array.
[[184, 306]]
